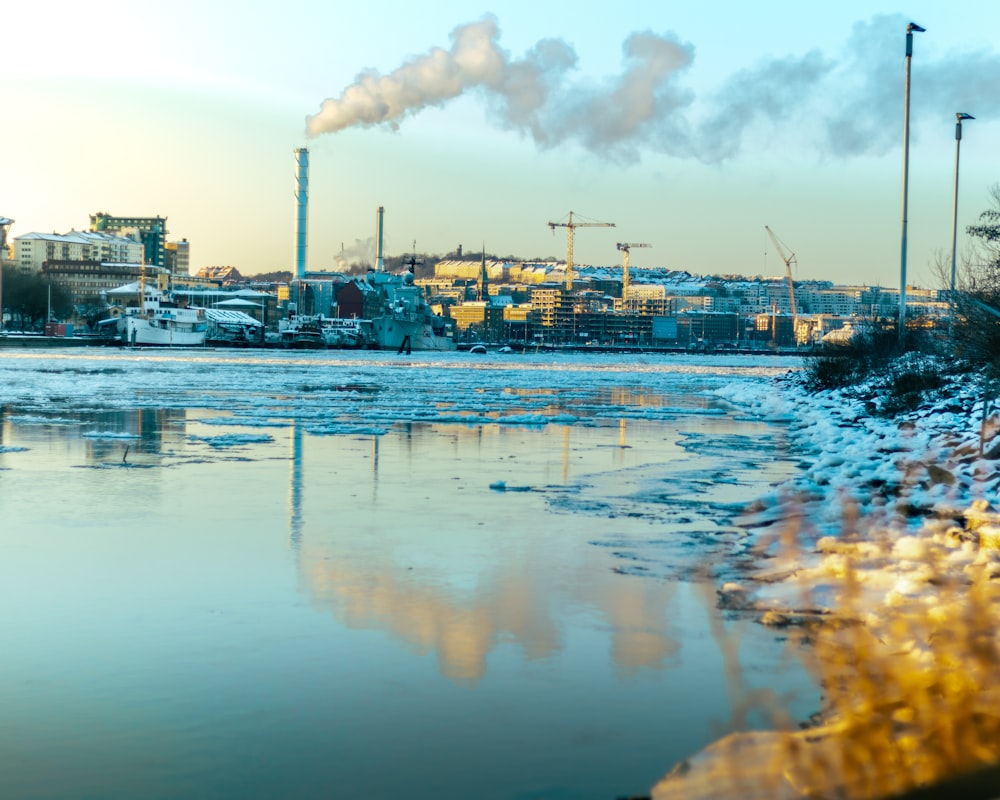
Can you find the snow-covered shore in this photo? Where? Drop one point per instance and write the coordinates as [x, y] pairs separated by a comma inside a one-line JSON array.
[[900, 469], [883, 489], [884, 560]]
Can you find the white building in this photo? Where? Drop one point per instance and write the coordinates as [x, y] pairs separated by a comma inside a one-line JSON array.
[[32, 250]]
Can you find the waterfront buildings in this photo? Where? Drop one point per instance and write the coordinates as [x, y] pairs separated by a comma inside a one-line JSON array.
[[495, 299], [529, 302]]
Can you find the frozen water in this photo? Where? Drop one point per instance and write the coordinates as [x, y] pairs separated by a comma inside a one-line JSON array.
[[263, 574]]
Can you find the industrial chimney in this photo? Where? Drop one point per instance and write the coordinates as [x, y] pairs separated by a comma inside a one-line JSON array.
[[379, 261], [302, 207]]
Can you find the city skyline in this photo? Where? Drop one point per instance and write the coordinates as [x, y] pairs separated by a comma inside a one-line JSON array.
[[481, 126]]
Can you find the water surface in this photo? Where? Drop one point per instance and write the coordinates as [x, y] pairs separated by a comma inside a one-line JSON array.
[[334, 574]]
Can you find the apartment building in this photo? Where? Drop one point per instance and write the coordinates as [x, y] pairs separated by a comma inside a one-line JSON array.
[[32, 250]]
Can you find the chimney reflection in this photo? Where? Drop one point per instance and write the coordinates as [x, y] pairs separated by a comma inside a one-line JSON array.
[[295, 486]]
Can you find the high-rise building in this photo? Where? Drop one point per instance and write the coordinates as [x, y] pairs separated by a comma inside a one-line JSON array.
[[150, 231]]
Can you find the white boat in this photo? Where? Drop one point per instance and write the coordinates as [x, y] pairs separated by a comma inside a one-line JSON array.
[[407, 322], [165, 327], [160, 321]]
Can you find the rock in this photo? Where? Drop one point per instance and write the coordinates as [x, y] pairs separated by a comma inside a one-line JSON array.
[[939, 475], [993, 453]]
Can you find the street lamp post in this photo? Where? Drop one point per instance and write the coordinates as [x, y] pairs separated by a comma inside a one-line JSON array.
[[954, 221], [906, 170]]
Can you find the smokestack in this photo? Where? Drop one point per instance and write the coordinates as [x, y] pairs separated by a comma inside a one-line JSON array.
[[302, 207], [379, 263]]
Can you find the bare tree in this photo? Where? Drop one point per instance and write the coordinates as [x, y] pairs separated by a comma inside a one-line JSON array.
[[977, 298]]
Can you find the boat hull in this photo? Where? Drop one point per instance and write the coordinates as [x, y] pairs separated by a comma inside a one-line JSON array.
[[390, 334], [140, 332]]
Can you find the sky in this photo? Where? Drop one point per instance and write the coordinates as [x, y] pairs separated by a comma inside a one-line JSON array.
[[690, 127]]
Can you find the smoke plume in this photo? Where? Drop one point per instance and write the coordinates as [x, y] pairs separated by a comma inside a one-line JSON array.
[[849, 105], [356, 259], [529, 95]]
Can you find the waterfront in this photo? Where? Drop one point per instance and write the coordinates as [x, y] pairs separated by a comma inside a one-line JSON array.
[[354, 574]]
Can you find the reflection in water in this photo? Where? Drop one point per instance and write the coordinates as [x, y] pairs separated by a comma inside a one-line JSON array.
[[514, 604], [514, 597], [108, 437], [426, 618], [160, 612], [565, 453], [639, 615], [295, 486]]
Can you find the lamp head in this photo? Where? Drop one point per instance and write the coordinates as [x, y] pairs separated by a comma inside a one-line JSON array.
[[962, 115], [914, 28]]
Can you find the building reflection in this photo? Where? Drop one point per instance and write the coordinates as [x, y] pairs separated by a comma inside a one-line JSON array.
[[141, 430], [103, 436]]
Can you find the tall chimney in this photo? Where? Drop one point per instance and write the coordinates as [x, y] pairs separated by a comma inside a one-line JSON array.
[[302, 207], [379, 262]]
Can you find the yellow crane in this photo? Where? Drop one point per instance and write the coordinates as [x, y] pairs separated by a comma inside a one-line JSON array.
[[788, 272], [570, 227], [625, 247]]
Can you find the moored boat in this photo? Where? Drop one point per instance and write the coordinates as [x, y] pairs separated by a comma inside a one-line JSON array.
[[407, 321], [301, 332], [159, 321], [345, 332], [166, 327]]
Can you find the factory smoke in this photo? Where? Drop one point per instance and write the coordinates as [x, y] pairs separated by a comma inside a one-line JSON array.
[[850, 105]]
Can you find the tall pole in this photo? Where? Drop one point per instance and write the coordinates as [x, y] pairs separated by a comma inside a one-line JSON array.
[[954, 222], [906, 175]]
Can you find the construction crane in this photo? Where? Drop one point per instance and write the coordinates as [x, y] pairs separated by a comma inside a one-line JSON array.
[[571, 226], [788, 273], [625, 247]]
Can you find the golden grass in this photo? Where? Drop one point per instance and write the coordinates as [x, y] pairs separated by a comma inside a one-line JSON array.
[[909, 666]]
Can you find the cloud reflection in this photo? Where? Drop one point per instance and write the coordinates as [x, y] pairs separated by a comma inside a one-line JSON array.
[[513, 605]]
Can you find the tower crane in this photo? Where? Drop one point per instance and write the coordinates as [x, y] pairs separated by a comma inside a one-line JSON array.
[[625, 247], [570, 227], [788, 272]]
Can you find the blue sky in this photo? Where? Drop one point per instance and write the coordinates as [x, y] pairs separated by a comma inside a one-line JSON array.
[[724, 118]]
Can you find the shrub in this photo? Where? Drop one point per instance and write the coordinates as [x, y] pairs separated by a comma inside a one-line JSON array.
[[900, 374], [907, 387]]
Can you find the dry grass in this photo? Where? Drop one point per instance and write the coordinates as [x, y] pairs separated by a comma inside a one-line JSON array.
[[909, 665]]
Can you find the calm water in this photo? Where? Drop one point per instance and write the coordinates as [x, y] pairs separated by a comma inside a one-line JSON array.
[[235, 574]]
